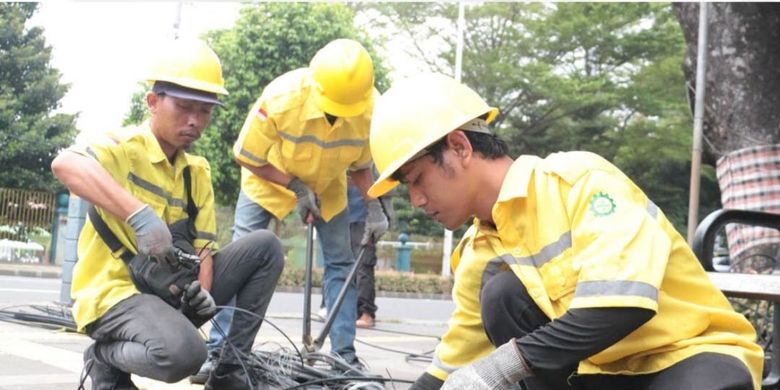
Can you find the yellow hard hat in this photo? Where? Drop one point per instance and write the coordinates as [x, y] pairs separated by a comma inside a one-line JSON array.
[[413, 114], [189, 63], [344, 78]]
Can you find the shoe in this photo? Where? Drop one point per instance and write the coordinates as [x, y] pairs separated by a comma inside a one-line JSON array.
[[233, 380], [104, 376], [202, 375], [323, 313], [356, 367], [365, 321]]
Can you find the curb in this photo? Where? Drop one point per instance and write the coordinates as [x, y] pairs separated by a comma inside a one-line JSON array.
[[31, 272], [383, 294], [52, 272]]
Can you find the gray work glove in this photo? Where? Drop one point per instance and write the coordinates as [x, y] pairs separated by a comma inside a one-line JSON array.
[[498, 371], [197, 300], [152, 235], [307, 200], [376, 222]]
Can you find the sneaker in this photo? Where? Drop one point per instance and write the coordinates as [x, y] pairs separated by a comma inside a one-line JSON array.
[[233, 380], [202, 375], [323, 313], [365, 321], [104, 376]]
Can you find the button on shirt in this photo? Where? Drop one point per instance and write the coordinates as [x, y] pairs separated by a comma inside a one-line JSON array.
[[286, 129], [135, 160]]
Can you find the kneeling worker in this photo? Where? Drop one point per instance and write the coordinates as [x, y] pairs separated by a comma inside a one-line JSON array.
[[148, 274], [599, 289]]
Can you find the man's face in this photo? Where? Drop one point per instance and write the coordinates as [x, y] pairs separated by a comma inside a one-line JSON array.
[[441, 190], [178, 123]]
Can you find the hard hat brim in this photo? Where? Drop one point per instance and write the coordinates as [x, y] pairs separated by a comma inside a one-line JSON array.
[[181, 92], [341, 110]]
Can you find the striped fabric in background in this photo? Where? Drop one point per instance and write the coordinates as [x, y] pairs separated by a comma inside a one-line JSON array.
[[750, 180]]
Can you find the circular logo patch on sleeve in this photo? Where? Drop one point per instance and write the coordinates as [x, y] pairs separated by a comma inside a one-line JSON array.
[[601, 204]]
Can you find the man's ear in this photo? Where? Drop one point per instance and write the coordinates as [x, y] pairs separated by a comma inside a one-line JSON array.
[[459, 143], [152, 100]]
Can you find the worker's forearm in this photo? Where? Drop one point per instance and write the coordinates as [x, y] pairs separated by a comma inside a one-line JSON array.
[[579, 334], [362, 179], [268, 172], [87, 179], [206, 275]]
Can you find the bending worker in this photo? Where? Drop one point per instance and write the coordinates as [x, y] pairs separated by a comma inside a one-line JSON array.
[[141, 182], [306, 130], [599, 292]]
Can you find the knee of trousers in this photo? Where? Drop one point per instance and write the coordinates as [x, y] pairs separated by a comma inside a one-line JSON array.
[[503, 296], [179, 358], [269, 248]]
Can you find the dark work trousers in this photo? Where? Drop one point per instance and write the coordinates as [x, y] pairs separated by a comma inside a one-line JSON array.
[[365, 273], [508, 311], [144, 336]]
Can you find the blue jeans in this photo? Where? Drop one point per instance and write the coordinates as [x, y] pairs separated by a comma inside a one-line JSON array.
[[248, 218], [338, 260]]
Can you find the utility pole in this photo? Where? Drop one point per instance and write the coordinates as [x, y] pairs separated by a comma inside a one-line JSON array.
[[177, 20], [447, 245], [698, 123]]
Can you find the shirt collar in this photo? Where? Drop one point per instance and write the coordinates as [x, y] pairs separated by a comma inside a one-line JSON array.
[[517, 179], [155, 152], [153, 148]]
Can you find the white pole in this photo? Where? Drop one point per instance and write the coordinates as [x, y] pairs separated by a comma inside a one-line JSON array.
[[177, 21], [447, 247], [698, 123]]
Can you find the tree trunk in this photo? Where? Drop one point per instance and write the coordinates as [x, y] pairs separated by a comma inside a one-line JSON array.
[[742, 113], [743, 72]]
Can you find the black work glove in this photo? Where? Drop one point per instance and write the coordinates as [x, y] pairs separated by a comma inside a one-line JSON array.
[[427, 381], [307, 199], [196, 302]]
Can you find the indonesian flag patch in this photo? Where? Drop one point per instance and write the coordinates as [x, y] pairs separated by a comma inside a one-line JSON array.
[[261, 114]]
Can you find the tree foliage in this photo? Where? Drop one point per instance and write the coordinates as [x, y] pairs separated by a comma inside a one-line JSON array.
[[30, 89], [603, 77], [267, 40]]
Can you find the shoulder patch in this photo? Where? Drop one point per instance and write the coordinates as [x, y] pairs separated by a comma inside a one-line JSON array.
[[601, 204]]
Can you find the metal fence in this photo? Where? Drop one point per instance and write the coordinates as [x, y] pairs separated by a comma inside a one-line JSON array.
[[22, 211]]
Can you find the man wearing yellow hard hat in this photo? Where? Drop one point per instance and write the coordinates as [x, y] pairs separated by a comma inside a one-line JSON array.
[[599, 292], [303, 136], [149, 272]]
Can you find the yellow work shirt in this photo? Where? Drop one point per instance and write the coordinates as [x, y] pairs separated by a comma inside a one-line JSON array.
[[580, 234], [473, 261], [285, 128], [135, 160]]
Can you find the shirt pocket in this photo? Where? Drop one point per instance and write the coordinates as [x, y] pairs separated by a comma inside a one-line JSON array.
[[349, 154], [297, 151]]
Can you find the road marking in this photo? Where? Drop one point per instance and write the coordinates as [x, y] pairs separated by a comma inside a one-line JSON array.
[[37, 379], [56, 357]]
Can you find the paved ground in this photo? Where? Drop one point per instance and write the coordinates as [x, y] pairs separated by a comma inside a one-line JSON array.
[[33, 358]]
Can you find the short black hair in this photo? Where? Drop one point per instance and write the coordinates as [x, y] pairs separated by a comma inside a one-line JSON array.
[[490, 146]]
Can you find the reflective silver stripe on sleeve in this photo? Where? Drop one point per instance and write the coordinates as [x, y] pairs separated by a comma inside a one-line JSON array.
[[252, 157], [364, 166], [156, 190], [206, 236], [652, 209], [444, 367], [549, 252], [321, 143], [92, 153], [625, 288]]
